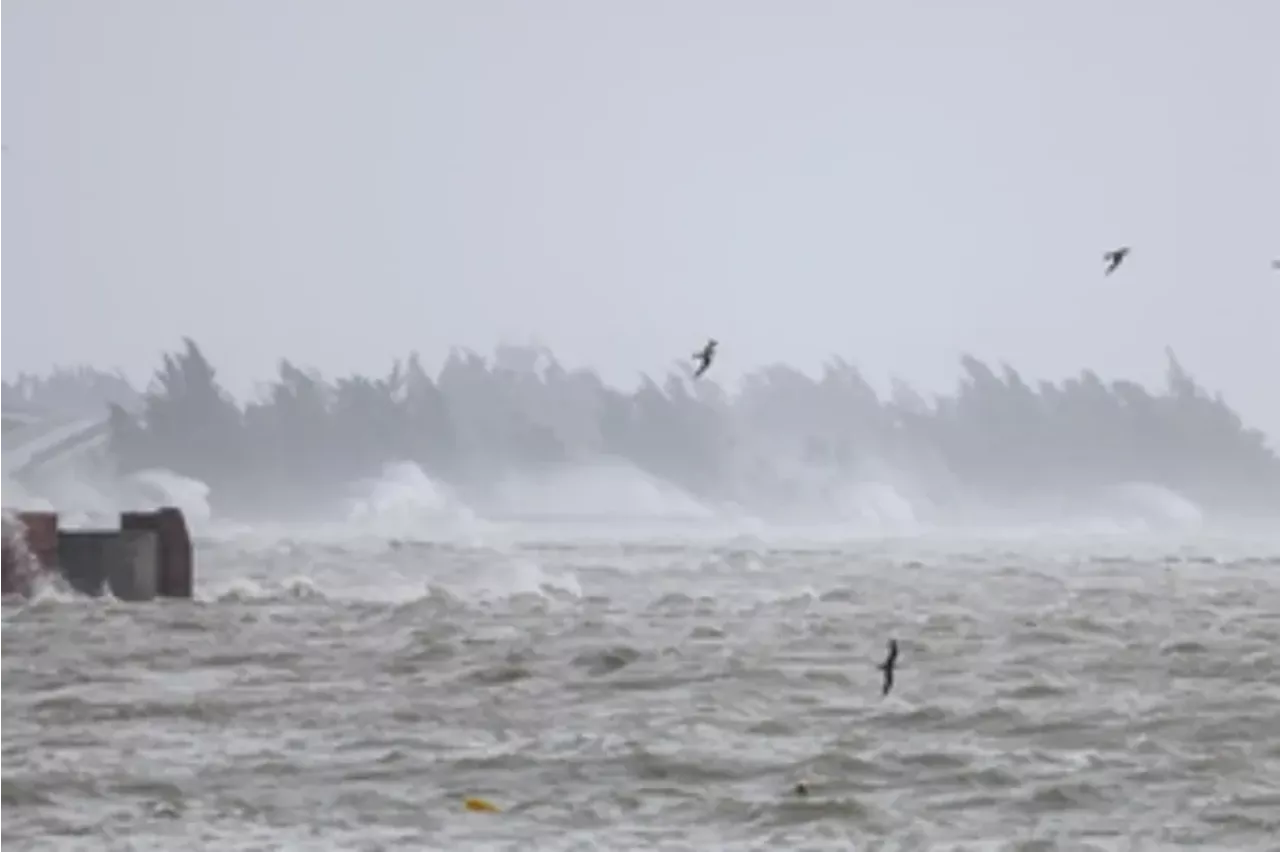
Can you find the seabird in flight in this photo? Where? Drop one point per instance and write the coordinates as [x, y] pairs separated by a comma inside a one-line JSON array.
[[887, 667], [1114, 258], [705, 357]]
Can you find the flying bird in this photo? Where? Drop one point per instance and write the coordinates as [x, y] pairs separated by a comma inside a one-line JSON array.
[[705, 357], [1114, 258], [887, 667]]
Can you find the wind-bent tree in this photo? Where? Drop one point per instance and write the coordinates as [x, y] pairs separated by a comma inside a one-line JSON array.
[[781, 435]]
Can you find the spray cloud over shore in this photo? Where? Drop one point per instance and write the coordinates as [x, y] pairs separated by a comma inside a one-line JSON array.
[[518, 435]]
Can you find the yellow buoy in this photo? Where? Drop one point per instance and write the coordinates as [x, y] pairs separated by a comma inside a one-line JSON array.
[[473, 804]]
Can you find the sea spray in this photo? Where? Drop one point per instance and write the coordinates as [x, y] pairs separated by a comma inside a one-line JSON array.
[[605, 490], [18, 567], [158, 487], [404, 502]]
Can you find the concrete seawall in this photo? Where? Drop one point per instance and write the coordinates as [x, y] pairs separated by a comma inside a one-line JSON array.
[[149, 556]]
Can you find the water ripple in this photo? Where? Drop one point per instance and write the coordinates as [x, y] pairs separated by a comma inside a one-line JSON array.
[[658, 696]]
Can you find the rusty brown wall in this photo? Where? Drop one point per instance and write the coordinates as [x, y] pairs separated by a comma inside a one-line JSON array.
[[42, 537], [176, 557]]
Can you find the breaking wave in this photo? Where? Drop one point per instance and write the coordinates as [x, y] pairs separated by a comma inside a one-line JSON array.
[[86, 497], [404, 503], [523, 440], [598, 491]]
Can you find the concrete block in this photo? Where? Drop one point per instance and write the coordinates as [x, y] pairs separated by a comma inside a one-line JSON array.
[[14, 552], [84, 556], [135, 574], [42, 536], [176, 553], [30, 546], [150, 555], [127, 562]]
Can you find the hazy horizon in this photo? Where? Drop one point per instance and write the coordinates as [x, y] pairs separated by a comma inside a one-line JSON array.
[[652, 618], [896, 185], [517, 434]]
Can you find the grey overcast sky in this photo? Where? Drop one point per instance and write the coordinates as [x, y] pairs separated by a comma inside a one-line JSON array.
[[341, 182]]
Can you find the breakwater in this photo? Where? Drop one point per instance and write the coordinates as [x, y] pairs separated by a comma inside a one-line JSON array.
[[149, 555]]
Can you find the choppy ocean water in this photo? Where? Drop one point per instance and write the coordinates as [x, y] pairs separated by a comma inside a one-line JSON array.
[[657, 692]]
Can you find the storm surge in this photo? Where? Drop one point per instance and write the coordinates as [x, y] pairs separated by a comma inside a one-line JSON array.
[[519, 438]]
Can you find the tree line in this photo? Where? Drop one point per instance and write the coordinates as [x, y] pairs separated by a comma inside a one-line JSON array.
[[78, 390], [995, 437]]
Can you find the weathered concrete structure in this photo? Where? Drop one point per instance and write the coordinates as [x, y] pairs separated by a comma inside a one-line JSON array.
[[176, 571], [41, 530], [126, 562], [149, 556], [30, 547]]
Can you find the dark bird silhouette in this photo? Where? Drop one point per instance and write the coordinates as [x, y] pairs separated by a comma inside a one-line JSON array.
[[705, 357], [1115, 257], [887, 667]]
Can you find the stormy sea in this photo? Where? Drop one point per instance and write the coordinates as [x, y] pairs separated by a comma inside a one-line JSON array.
[[600, 656], [662, 684]]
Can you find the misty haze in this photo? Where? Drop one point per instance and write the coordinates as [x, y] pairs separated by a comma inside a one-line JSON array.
[[401, 304], [518, 435]]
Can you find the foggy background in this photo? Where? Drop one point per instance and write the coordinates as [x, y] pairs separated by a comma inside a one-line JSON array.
[[903, 187], [896, 183]]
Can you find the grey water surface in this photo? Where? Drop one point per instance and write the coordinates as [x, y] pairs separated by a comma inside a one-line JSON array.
[[658, 693]]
